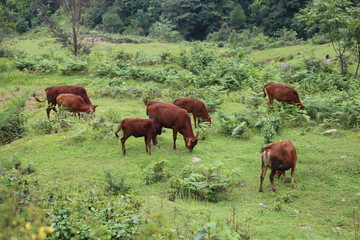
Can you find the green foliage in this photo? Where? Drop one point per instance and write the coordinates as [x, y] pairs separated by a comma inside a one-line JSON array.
[[234, 124], [214, 230], [93, 215], [237, 17], [156, 173], [12, 120], [20, 218], [33, 63], [164, 31], [21, 26], [116, 183], [111, 22], [269, 128], [74, 66], [200, 183]]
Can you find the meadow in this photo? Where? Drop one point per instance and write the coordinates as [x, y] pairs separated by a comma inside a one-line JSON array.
[[76, 161]]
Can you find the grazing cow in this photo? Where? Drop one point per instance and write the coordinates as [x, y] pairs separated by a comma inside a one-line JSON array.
[[74, 103], [138, 127], [282, 93], [172, 116], [279, 157], [53, 92], [194, 106]]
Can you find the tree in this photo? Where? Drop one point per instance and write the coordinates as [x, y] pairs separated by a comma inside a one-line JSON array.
[[73, 12], [111, 22], [355, 33], [237, 17], [332, 18]]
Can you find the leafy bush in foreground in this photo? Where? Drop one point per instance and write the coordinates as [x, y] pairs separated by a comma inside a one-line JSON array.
[[12, 120], [201, 183]]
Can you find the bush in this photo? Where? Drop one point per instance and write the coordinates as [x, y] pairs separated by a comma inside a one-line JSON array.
[[74, 66], [156, 173], [235, 124], [200, 183], [36, 64], [12, 120], [116, 183], [93, 215], [270, 127], [20, 218]]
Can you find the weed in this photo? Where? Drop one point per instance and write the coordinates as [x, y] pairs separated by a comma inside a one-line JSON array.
[[116, 183]]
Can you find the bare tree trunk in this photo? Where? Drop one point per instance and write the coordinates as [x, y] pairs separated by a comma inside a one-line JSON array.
[[358, 57]]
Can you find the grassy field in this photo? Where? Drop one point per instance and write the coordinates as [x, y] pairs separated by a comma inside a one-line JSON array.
[[325, 204]]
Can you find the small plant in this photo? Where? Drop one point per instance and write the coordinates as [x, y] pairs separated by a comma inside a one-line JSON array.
[[116, 183], [201, 183], [156, 173], [269, 128]]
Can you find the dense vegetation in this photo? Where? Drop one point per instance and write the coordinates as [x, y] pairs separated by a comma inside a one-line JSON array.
[[66, 178]]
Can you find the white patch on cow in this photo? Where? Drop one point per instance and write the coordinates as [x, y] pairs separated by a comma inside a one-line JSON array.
[[266, 158]]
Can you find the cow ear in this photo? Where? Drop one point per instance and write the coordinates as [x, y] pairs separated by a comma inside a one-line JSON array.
[[197, 134], [95, 106]]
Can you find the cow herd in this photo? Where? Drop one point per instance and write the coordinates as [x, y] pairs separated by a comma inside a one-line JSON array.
[[278, 156]]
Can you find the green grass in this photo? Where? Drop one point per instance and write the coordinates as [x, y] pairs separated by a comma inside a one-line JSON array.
[[292, 54], [327, 173]]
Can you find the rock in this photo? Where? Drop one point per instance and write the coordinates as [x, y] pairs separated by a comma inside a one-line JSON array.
[[329, 131], [196, 159]]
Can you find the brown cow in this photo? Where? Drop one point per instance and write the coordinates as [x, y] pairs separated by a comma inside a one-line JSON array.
[[194, 106], [138, 127], [172, 116], [53, 92], [282, 93], [75, 103], [279, 157]]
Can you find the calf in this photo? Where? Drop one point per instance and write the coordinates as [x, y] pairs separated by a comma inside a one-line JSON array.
[[138, 127], [282, 93], [172, 116], [53, 92], [194, 106], [279, 157], [74, 103]]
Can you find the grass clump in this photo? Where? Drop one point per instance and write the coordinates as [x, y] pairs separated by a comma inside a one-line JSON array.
[[200, 183]]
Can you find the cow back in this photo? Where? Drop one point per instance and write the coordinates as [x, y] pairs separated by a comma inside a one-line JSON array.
[[283, 151], [168, 114], [53, 92]]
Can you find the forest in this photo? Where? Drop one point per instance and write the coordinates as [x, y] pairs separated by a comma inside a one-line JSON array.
[[66, 177]]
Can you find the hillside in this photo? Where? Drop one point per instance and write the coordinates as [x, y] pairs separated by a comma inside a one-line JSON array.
[[70, 157]]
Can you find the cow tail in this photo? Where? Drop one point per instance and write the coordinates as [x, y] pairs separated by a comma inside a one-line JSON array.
[[264, 90], [116, 133], [38, 100]]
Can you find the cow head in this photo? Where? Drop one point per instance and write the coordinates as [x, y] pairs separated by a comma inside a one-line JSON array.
[[191, 142], [91, 110]]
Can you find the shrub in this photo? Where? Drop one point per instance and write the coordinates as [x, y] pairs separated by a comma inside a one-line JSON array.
[[93, 215], [116, 183], [235, 124], [269, 128], [20, 218], [36, 64], [12, 120], [73, 66], [21, 26], [6, 51], [156, 173], [201, 183]]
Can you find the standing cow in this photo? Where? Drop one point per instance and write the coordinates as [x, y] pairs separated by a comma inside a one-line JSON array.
[[282, 93], [75, 103], [194, 106], [53, 92], [138, 127], [279, 157], [172, 116]]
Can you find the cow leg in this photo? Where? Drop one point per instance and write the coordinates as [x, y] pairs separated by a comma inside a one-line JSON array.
[[271, 100], [123, 139], [155, 142], [174, 137], [292, 177], [272, 174], [195, 121], [262, 176], [148, 144], [284, 177]]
